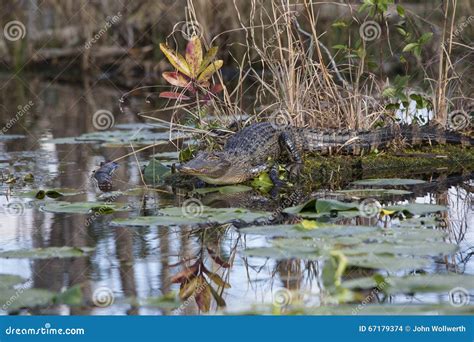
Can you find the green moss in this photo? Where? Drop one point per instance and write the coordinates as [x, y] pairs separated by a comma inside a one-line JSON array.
[[336, 171]]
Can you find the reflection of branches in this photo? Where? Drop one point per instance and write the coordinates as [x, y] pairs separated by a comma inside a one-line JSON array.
[[196, 278]]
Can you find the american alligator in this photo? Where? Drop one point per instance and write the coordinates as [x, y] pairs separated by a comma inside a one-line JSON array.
[[255, 148]]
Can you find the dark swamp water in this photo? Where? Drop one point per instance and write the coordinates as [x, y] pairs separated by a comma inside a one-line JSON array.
[[59, 257]]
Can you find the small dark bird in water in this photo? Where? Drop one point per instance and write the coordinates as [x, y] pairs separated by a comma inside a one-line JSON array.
[[103, 175]]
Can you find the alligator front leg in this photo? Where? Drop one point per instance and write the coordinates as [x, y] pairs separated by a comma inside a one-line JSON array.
[[288, 143]]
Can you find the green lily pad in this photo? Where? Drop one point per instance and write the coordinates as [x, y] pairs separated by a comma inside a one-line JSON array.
[[417, 208], [83, 207], [51, 193], [229, 189], [388, 182], [47, 253], [371, 193], [155, 171], [416, 283], [175, 216], [10, 280], [15, 298]]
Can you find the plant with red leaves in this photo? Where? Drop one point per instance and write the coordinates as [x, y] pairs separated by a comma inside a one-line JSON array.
[[194, 72]]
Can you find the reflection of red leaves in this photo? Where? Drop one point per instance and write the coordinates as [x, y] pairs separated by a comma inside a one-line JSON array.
[[194, 284], [185, 274], [203, 297], [217, 259]]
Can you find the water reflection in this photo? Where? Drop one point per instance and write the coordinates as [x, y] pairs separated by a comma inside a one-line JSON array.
[[147, 262]]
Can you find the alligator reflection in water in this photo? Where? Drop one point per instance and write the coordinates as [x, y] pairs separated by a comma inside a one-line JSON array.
[[140, 264]]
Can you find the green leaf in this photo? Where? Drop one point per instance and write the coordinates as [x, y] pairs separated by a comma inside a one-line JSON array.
[[339, 24], [262, 182], [155, 172], [425, 37], [410, 47], [401, 31], [176, 60], [47, 253], [389, 92], [208, 58], [339, 47], [388, 182], [401, 11], [210, 70]]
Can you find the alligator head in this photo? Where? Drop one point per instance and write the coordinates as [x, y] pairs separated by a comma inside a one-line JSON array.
[[212, 168]]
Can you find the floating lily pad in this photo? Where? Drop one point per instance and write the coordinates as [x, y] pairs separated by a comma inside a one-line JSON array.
[[51, 193], [416, 283], [417, 208], [83, 207], [47, 253], [10, 280], [371, 193], [229, 189], [388, 182], [15, 299], [155, 171], [179, 216]]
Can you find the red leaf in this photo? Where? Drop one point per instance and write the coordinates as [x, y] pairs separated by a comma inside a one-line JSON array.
[[194, 55], [174, 95], [175, 78], [217, 88]]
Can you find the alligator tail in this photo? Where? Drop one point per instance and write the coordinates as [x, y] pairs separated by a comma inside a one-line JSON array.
[[358, 142]]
